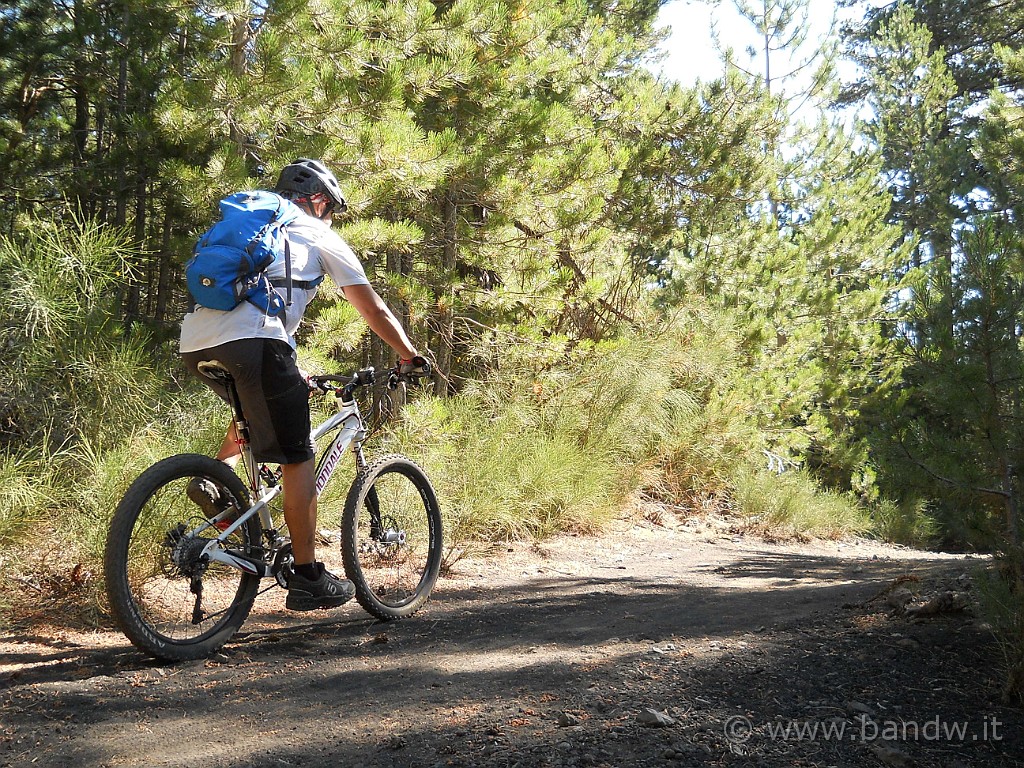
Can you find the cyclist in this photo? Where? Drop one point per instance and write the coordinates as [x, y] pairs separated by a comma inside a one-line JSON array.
[[259, 351]]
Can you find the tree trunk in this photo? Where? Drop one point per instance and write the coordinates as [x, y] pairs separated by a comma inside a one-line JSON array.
[[994, 428], [132, 279], [164, 269], [118, 147], [446, 315], [242, 36], [80, 127]]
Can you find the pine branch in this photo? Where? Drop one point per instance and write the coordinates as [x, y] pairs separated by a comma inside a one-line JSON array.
[[949, 481]]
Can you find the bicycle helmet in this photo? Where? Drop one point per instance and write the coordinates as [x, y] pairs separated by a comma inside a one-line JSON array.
[[305, 177]]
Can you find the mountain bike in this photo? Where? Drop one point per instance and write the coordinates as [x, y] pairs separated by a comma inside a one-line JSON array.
[[181, 584]]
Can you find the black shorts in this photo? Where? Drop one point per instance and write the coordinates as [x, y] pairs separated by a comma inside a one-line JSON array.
[[274, 397]]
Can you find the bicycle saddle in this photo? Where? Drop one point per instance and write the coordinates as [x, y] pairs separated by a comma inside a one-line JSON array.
[[214, 369]]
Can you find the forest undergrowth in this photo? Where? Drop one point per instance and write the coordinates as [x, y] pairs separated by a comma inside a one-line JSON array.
[[550, 435], [548, 441]]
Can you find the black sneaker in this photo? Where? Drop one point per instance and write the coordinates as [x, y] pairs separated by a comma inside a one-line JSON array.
[[207, 496], [327, 591]]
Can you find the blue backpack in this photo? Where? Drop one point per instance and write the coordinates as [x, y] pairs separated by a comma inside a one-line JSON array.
[[230, 259]]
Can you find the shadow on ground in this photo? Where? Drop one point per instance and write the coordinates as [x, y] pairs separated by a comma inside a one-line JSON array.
[[548, 671]]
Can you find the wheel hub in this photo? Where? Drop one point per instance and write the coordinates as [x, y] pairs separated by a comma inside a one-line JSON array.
[[186, 552]]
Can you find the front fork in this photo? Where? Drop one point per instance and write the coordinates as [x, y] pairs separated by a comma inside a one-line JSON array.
[[372, 502]]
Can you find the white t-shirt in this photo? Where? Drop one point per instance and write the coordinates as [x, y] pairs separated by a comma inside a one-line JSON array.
[[315, 250]]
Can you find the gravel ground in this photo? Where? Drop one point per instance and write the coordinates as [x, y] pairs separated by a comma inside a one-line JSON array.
[[678, 644]]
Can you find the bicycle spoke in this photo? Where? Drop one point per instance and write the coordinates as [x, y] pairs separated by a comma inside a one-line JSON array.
[[392, 538], [170, 599]]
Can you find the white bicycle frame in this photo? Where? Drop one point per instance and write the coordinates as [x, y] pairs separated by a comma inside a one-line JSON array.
[[351, 432]]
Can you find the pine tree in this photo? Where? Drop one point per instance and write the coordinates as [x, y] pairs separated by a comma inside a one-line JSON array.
[[813, 288], [923, 82]]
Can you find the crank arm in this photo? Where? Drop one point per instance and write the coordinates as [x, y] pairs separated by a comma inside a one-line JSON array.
[[254, 566]]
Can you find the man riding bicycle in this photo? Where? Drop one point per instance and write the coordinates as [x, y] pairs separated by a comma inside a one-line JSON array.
[[259, 351]]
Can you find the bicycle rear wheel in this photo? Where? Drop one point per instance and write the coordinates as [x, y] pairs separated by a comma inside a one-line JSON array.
[[391, 537], [170, 601]]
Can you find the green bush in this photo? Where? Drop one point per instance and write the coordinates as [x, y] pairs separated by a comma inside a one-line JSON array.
[[25, 494], [1001, 594], [195, 424], [71, 372], [499, 476], [546, 442], [792, 503], [701, 449], [908, 523]]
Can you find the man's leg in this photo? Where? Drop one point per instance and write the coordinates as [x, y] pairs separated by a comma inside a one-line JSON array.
[[300, 509], [229, 452], [310, 586]]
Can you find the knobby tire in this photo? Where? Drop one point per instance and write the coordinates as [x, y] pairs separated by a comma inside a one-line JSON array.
[[392, 495], [150, 592]]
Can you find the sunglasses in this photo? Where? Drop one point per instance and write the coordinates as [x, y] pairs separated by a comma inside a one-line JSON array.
[[320, 197]]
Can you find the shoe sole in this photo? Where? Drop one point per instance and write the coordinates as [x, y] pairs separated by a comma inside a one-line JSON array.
[[211, 510], [311, 602]]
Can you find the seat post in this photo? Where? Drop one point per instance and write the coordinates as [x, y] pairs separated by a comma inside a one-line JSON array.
[[241, 425], [215, 370]]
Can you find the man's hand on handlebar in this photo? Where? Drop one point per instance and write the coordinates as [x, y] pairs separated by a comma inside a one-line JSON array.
[[310, 379], [412, 369], [416, 367]]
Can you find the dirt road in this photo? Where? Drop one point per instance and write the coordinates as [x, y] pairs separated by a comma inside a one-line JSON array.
[[649, 646]]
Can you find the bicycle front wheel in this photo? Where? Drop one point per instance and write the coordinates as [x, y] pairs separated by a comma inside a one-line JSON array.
[[169, 600], [391, 537]]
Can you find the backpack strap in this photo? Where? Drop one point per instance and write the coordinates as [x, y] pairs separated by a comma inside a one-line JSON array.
[[287, 266], [288, 283], [306, 285]]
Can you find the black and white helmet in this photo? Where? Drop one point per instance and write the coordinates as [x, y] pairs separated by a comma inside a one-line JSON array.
[[305, 177]]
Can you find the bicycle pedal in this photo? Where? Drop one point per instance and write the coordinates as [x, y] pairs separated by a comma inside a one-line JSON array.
[[282, 563], [270, 477]]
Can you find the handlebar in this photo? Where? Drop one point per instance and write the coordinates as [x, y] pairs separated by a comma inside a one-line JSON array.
[[345, 386]]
